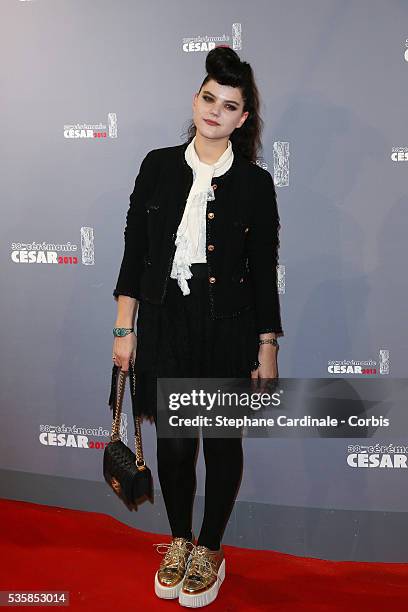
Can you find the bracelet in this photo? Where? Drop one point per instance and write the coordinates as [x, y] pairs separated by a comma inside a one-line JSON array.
[[269, 341], [119, 332]]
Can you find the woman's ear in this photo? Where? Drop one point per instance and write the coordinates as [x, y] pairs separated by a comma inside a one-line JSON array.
[[243, 119]]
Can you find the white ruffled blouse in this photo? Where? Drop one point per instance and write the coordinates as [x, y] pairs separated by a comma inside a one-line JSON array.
[[191, 233]]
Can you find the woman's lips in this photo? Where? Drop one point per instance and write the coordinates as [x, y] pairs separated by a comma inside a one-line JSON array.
[[211, 122]]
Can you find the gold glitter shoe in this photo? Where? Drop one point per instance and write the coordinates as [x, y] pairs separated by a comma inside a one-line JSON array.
[[169, 576], [204, 576]]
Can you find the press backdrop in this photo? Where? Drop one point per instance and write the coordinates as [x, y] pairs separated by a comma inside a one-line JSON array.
[[88, 88]]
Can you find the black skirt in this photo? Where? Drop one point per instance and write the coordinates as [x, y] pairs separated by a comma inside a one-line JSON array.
[[178, 339]]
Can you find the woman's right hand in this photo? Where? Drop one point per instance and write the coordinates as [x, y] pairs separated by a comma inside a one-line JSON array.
[[124, 350]]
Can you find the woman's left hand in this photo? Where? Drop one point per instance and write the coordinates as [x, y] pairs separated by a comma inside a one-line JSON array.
[[267, 358]]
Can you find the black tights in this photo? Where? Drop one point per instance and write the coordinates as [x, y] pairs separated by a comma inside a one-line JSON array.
[[176, 469]]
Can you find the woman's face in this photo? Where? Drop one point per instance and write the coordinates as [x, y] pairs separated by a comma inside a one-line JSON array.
[[221, 104]]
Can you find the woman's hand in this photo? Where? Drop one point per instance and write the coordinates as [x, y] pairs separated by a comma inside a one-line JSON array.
[[267, 357], [124, 349]]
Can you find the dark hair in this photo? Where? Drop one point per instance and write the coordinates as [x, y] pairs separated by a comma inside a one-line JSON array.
[[224, 66]]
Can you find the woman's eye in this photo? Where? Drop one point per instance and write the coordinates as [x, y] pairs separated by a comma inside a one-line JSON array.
[[229, 106]]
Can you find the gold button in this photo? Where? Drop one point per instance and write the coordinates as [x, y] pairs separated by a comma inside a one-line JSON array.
[[212, 279], [247, 229], [211, 215], [211, 247]]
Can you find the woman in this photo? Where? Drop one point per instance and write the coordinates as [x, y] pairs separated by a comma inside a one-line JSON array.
[[199, 268]]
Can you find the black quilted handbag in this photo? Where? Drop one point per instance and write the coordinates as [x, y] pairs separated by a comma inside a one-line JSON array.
[[125, 471]]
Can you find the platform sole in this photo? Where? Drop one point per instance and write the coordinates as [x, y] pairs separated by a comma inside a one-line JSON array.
[[203, 599]]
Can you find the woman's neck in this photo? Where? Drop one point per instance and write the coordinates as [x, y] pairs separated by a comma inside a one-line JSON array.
[[209, 151]]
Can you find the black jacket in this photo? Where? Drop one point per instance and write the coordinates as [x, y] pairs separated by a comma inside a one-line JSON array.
[[241, 243]]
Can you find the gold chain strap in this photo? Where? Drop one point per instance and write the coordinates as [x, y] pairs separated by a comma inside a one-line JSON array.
[[115, 436]]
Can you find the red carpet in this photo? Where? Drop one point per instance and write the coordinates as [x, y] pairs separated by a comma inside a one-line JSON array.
[[106, 565]]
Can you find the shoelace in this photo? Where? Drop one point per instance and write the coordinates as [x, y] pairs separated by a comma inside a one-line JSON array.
[[173, 552], [200, 564]]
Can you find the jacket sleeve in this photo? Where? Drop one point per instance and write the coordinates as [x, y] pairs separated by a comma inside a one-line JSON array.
[[135, 234], [263, 243]]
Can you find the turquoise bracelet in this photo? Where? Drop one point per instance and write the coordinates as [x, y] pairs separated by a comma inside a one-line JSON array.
[[119, 332]]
